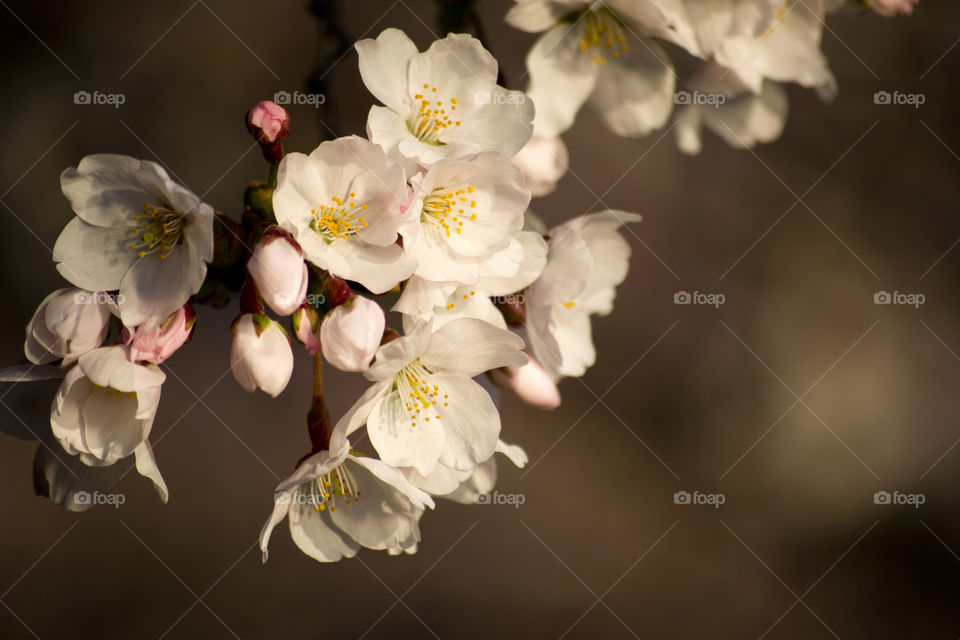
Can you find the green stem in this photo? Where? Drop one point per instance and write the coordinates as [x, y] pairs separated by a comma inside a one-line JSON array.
[[272, 178]]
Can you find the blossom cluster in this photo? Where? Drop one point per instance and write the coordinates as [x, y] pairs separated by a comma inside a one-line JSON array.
[[427, 217], [610, 53]]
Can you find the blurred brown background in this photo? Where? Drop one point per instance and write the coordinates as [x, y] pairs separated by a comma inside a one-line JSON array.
[[683, 398]]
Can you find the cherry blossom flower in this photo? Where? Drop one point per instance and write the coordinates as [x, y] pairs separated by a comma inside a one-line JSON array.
[[456, 484], [136, 231], [587, 259], [338, 501], [589, 52], [742, 121], [342, 205], [441, 103], [105, 408], [502, 277], [464, 212], [423, 407]]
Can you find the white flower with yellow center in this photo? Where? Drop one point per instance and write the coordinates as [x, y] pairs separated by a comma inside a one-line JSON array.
[[587, 259], [136, 230], [423, 407], [342, 203], [338, 501], [503, 277], [105, 408], [441, 103], [589, 52], [464, 212], [779, 40]]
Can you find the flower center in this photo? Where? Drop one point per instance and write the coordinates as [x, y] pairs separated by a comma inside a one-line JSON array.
[[158, 231], [602, 35], [451, 305], [421, 399], [339, 219], [445, 208], [338, 483], [427, 123], [780, 18], [114, 394]]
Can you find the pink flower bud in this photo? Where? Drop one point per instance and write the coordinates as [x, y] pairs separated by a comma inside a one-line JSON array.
[[306, 326], [67, 324], [278, 268], [261, 357], [892, 8], [531, 383], [161, 342], [268, 122], [350, 334]]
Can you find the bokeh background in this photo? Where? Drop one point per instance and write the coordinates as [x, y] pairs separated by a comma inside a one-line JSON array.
[[797, 399]]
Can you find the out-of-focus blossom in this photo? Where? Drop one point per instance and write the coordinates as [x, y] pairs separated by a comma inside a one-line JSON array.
[[105, 409], [589, 52], [543, 160], [67, 324], [587, 259], [531, 383]]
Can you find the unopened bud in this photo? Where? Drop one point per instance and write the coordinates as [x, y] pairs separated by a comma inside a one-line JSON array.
[[531, 383], [67, 324], [269, 124], [162, 341], [278, 268], [306, 327], [350, 334], [261, 357]]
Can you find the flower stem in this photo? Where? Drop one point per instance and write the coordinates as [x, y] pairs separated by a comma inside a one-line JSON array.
[[318, 419], [272, 177]]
